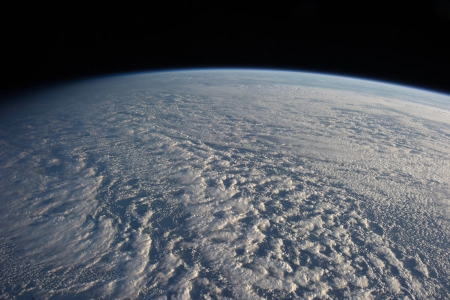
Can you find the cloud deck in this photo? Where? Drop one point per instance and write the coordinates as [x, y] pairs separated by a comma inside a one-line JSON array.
[[226, 184]]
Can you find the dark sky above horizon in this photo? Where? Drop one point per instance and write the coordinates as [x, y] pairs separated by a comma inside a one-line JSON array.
[[397, 43]]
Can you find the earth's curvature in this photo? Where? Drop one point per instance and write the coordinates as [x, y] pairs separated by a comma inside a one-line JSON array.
[[225, 184]]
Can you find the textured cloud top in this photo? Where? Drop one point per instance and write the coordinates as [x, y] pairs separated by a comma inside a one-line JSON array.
[[226, 184]]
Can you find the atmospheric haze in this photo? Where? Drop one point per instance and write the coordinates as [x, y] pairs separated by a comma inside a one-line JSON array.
[[225, 184]]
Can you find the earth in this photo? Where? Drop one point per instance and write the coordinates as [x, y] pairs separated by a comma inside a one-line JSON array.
[[225, 184]]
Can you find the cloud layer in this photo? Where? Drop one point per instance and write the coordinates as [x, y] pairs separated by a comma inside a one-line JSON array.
[[226, 184]]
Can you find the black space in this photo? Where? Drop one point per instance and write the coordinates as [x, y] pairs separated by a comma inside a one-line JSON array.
[[406, 43]]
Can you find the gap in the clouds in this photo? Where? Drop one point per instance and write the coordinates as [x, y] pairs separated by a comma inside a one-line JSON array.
[[327, 250], [284, 203], [266, 294], [411, 265], [198, 290], [398, 254], [358, 239], [376, 228], [263, 248], [362, 267]]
